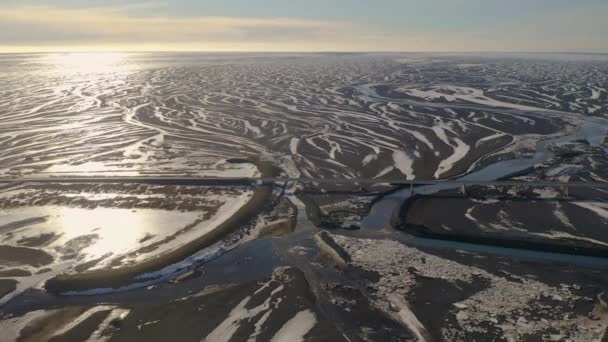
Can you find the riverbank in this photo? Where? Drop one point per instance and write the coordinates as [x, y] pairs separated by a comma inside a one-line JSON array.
[[126, 276]]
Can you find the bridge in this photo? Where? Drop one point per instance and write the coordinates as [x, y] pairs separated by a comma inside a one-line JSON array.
[[227, 181]]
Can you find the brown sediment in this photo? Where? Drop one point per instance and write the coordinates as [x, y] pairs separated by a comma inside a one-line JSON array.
[[42, 329], [44, 270], [13, 256], [283, 227], [39, 240], [22, 223], [84, 330], [124, 195], [124, 276], [92, 263], [14, 272]]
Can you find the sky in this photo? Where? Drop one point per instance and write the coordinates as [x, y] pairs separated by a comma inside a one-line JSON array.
[[304, 25]]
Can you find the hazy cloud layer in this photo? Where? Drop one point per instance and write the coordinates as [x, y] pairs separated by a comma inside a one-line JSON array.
[[41, 27]]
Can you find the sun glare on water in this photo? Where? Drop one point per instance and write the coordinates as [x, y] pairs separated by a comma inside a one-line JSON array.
[[117, 230], [88, 62]]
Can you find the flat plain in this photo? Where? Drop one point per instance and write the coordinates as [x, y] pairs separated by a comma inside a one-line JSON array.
[[252, 261]]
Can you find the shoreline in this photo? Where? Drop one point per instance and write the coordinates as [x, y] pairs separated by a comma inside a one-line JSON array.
[[126, 276], [491, 239]]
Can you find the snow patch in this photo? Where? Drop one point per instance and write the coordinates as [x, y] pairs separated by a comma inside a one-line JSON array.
[[296, 328], [404, 163]]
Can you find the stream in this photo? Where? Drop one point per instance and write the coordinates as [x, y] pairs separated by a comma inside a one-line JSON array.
[[384, 213]]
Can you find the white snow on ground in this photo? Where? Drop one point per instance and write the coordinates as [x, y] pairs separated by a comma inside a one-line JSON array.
[[15, 192], [12, 327], [289, 166], [561, 215], [594, 108], [404, 163], [599, 208], [562, 235], [595, 92], [228, 327], [110, 233], [256, 130], [440, 131], [469, 215], [240, 313], [129, 169], [420, 137], [489, 138], [546, 193], [369, 158], [564, 170], [453, 93], [104, 234], [293, 145], [117, 230], [73, 323], [461, 149], [100, 334], [295, 329], [258, 326], [384, 172], [501, 305], [502, 222], [227, 210], [407, 317]]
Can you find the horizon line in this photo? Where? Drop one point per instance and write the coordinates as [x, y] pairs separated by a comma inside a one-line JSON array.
[[17, 52]]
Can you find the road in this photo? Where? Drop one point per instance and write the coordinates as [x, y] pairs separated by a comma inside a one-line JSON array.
[[208, 181]]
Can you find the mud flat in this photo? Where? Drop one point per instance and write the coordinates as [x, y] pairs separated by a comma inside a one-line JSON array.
[[125, 276]]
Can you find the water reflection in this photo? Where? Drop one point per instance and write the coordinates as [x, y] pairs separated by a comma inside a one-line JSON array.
[[93, 233], [89, 63], [114, 230]]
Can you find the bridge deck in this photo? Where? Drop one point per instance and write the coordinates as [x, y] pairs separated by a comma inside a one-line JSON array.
[[338, 181]]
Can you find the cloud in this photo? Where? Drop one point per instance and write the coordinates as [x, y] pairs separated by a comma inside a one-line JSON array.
[[36, 25], [47, 28]]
